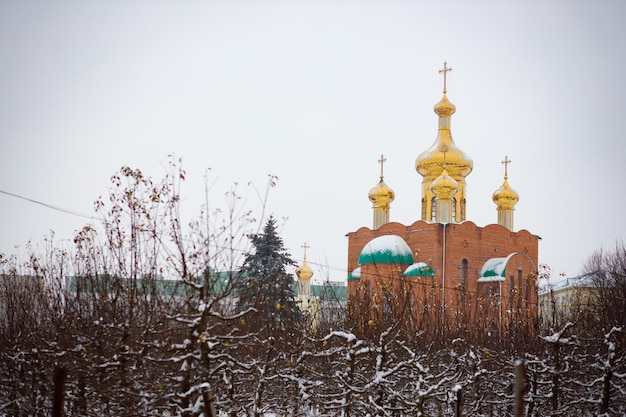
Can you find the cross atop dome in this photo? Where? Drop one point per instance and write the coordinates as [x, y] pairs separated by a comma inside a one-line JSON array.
[[382, 160], [506, 163], [445, 70]]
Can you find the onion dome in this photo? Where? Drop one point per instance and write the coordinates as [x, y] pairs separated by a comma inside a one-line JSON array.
[[355, 275], [430, 162], [444, 107], [304, 272], [381, 195], [444, 186], [419, 269], [388, 249], [505, 197]]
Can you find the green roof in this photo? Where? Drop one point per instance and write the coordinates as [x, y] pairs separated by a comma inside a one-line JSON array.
[[355, 275], [167, 287], [326, 292], [494, 269], [219, 283], [387, 249], [419, 269]]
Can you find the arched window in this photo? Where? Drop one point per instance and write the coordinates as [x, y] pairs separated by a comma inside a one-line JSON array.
[[463, 210], [433, 209], [511, 289], [464, 267], [453, 219], [519, 286]]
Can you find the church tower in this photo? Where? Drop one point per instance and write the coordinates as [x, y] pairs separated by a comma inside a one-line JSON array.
[[505, 198], [304, 274], [430, 164], [309, 304], [381, 197]]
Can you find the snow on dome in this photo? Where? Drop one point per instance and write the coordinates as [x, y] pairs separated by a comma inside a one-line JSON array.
[[419, 269], [388, 249], [355, 275], [494, 269]]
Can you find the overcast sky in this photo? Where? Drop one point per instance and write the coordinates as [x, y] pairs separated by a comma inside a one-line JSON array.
[[313, 92]]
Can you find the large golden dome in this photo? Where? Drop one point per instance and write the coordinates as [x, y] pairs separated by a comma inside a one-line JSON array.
[[430, 163], [444, 154]]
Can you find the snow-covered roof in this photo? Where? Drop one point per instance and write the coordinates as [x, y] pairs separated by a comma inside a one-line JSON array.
[[388, 249], [585, 280], [494, 269], [355, 275], [419, 269]]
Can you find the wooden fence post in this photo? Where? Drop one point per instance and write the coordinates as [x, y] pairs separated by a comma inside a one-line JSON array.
[[520, 387]]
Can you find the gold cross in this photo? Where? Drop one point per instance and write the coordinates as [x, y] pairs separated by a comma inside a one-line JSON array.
[[506, 163], [305, 246], [445, 70], [382, 160]]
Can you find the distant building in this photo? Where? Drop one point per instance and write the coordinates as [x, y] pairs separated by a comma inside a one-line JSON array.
[[325, 301], [443, 269], [560, 300]]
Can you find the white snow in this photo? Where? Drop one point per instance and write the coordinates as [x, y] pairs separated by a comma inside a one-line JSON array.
[[388, 243]]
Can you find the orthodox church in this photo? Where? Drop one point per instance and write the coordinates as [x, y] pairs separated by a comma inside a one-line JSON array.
[[443, 271]]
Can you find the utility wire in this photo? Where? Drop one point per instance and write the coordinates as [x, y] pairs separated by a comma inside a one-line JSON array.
[[74, 213]]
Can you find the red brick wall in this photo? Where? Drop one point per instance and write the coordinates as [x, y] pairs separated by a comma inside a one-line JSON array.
[[462, 241]]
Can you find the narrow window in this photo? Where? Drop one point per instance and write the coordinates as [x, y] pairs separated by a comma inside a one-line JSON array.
[[433, 210], [453, 210], [464, 265], [463, 210]]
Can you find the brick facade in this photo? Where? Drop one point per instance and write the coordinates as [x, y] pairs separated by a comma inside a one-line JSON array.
[[457, 252]]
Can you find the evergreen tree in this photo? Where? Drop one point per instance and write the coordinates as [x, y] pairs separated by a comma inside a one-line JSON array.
[[266, 284]]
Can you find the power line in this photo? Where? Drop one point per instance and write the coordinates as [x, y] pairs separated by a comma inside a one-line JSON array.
[[74, 213]]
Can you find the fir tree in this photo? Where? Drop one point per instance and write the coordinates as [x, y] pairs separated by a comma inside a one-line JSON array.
[[266, 284]]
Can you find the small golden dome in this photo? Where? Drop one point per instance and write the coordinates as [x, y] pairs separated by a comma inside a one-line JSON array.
[[304, 272], [381, 195], [505, 197], [444, 107], [444, 186]]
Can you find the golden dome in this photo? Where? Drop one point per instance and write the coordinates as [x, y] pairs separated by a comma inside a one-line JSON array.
[[430, 163], [505, 197], [444, 107], [381, 195], [444, 186], [304, 272]]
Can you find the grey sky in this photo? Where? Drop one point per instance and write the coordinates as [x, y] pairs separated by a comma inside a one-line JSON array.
[[313, 92]]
